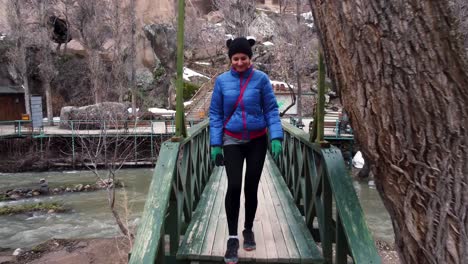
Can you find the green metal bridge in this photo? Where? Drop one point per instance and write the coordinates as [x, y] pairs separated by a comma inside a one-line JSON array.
[[308, 210]]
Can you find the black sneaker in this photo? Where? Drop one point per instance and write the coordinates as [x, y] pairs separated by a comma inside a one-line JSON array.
[[249, 240], [231, 251]]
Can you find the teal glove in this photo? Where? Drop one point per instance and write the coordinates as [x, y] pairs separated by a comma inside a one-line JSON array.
[[276, 148], [217, 156]]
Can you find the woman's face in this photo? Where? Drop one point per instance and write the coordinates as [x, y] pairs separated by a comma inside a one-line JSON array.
[[240, 62]]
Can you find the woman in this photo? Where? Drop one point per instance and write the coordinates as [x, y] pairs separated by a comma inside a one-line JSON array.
[[243, 107]]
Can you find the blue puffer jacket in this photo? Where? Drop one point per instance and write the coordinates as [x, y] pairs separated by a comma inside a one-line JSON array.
[[257, 110]]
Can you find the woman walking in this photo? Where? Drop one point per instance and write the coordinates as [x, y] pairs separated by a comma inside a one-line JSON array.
[[243, 106]]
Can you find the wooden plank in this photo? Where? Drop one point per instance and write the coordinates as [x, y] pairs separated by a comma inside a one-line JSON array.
[[306, 246], [193, 241], [260, 252], [244, 256], [220, 240], [360, 242], [294, 254], [210, 240], [152, 224], [280, 241]]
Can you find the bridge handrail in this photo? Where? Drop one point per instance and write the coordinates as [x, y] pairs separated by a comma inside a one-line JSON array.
[[316, 176], [181, 173]]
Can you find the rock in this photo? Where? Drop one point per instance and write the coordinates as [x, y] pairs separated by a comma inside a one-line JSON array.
[[104, 183], [68, 189], [87, 187], [112, 111], [56, 190], [51, 211], [79, 187], [263, 27], [15, 196], [36, 193], [163, 40], [18, 252], [214, 17]]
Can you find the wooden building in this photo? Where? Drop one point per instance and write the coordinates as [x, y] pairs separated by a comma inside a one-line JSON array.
[[11, 102]]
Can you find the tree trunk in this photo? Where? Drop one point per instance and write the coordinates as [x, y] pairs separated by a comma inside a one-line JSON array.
[[133, 85], [48, 93], [402, 73]]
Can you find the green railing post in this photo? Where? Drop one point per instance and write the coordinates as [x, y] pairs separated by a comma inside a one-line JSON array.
[[151, 137], [181, 130], [321, 100]]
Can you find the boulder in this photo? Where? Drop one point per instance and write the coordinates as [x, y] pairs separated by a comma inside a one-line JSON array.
[[92, 116], [263, 27]]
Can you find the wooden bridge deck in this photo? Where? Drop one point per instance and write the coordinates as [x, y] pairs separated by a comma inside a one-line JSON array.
[[280, 231]]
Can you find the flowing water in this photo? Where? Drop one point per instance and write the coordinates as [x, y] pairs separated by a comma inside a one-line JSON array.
[[91, 217]]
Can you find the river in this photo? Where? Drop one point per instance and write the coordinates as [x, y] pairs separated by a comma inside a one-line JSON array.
[[90, 216]]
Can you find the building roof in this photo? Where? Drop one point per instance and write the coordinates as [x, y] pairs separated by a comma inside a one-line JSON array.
[[11, 90]]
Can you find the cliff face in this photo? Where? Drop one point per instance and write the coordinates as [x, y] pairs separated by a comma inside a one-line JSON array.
[[147, 12]]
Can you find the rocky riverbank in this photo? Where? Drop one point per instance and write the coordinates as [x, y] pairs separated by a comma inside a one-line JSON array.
[[107, 251], [44, 189]]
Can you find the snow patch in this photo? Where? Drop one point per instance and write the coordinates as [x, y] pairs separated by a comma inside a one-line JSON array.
[[202, 63], [188, 103], [308, 16], [130, 110], [190, 73], [161, 111], [268, 43], [278, 82]]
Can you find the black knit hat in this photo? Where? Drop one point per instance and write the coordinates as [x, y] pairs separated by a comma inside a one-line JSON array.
[[240, 45]]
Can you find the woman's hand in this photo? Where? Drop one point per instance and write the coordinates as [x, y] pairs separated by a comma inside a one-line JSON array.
[[217, 156], [276, 148]]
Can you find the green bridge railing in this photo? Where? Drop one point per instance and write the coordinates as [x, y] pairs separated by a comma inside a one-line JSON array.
[[181, 173], [315, 176]]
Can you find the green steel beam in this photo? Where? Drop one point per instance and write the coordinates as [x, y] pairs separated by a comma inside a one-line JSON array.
[[181, 130]]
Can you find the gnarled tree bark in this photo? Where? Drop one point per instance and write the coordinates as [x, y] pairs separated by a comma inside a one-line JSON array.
[[401, 69]]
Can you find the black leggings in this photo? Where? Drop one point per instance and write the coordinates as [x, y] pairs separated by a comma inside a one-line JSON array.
[[254, 153]]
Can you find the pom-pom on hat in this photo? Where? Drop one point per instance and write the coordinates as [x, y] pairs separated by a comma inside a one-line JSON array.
[[240, 45]]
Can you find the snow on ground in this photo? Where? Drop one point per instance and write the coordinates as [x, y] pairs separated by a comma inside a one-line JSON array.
[[308, 16], [268, 43], [130, 110], [190, 73], [278, 82], [202, 63], [161, 111], [188, 103], [55, 119]]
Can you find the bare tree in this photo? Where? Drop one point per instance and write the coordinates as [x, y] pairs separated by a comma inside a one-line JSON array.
[[293, 51], [202, 39], [91, 20], [133, 55], [105, 151], [119, 34], [401, 68], [46, 66], [238, 15], [68, 5], [17, 15]]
